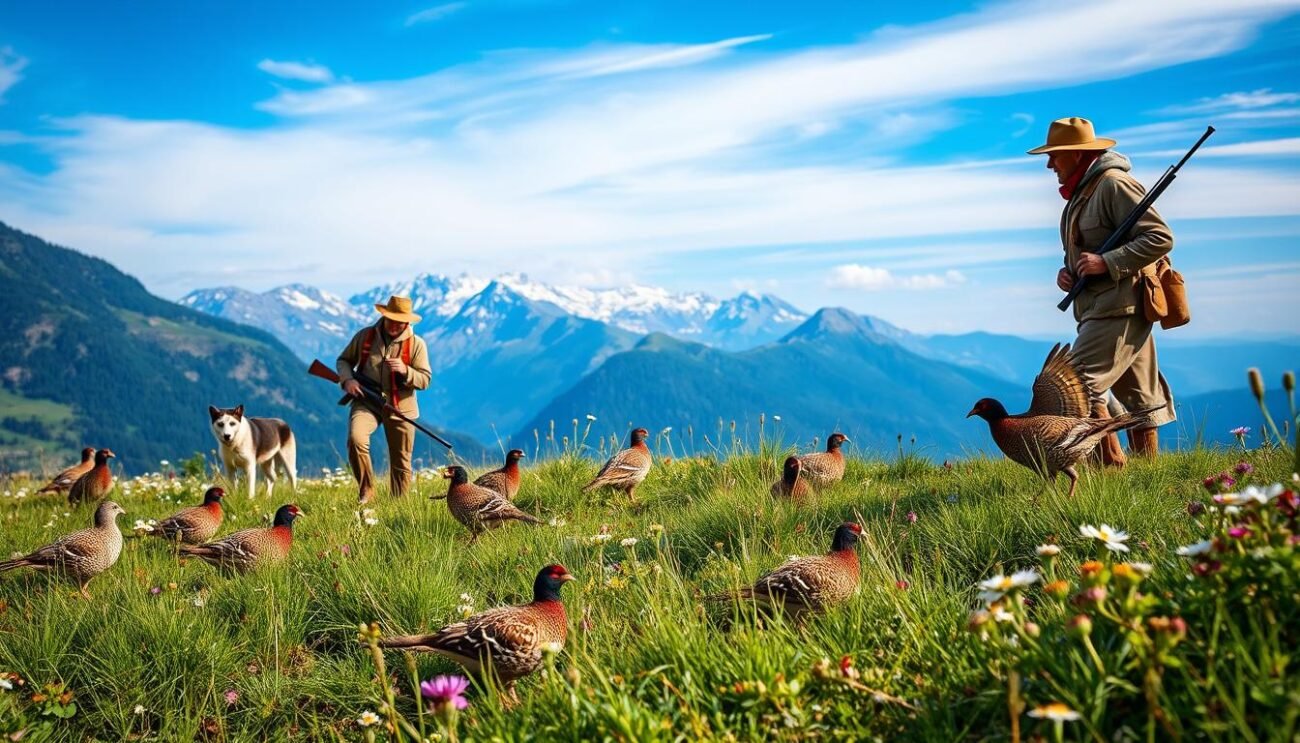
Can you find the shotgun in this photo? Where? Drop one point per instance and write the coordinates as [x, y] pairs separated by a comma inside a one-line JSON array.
[[372, 395], [1139, 211]]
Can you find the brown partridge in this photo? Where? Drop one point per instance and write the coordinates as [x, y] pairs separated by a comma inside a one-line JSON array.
[[63, 481], [247, 550], [810, 585], [194, 525], [826, 468], [791, 485], [80, 555], [626, 469], [505, 481], [508, 640], [1056, 432], [478, 508], [96, 483]]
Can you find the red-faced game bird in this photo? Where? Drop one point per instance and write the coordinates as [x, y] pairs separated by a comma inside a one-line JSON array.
[[247, 550], [505, 480], [196, 524], [476, 507], [95, 484], [826, 468]]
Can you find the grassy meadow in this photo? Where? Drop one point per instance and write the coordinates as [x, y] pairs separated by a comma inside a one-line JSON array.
[[173, 651]]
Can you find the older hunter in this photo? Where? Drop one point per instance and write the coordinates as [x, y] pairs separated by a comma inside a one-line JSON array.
[[391, 357], [1114, 345]]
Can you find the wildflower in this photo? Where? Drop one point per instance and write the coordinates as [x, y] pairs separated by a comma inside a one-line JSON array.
[[445, 692], [1079, 626], [1207, 567], [164, 463], [1109, 536], [6, 684], [142, 526], [1048, 550], [1240, 431], [1244, 468], [1256, 383], [1032, 629], [911, 517], [371, 521], [978, 618], [776, 418], [1091, 570], [1055, 711], [367, 719], [902, 585], [628, 543], [1058, 588], [591, 417], [556, 521], [155, 590], [552, 647], [1143, 568], [199, 602], [601, 538], [139, 710], [1000, 585], [1195, 550], [231, 696], [656, 528], [1238, 531], [1093, 595]]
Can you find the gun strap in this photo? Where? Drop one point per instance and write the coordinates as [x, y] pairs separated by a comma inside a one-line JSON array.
[[392, 376]]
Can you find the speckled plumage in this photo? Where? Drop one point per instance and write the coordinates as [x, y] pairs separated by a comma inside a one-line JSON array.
[[63, 481], [477, 507], [811, 585], [196, 524], [504, 480], [825, 468], [80, 555], [509, 640], [792, 484], [627, 468], [250, 549], [96, 483]]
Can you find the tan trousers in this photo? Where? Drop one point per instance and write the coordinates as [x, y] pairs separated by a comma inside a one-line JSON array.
[[401, 441], [1118, 354]]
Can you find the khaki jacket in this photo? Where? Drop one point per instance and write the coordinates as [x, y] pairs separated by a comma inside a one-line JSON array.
[[1102, 199], [372, 367]]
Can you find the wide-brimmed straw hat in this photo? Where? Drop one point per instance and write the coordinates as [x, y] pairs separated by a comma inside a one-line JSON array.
[[1073, 133], [398, 309]]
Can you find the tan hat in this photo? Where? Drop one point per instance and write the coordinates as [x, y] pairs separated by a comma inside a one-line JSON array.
[[1073, 133], [398, 309]]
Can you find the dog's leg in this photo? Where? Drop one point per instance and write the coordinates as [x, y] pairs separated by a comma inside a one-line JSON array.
[[268, 471], [289, 461], [250, 474]]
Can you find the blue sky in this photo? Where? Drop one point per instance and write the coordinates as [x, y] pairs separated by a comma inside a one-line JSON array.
[[831, 153]]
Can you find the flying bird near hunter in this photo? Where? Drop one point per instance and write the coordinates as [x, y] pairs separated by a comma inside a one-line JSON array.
[[1056, 432], [627, 468], [63, 481]]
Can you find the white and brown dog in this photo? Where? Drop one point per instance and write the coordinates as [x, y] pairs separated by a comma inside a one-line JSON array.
[[247, 443]]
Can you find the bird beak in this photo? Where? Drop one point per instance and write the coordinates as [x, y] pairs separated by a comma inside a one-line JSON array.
[[446, 474], [973, 411], [567, 577]]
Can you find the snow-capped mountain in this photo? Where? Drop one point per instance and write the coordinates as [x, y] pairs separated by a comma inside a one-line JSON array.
[[311, 322]]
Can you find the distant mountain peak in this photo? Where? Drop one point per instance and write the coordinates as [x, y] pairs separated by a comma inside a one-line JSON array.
[[835, 321]]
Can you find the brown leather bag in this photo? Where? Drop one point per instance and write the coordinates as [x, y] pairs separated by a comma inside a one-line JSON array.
[[1164, 295]]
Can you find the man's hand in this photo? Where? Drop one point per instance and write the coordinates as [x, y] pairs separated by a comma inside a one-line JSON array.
[[1064, 280], [396, 366], [1090, 264], [352, 387]]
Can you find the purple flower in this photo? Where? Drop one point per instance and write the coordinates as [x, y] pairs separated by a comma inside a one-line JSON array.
[[911, 517], [1244, 468], [444, 691], [155, 590], [1238, 531], [1240, 431]]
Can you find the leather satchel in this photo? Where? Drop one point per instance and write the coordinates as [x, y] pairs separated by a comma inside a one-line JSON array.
[[1164, 295]]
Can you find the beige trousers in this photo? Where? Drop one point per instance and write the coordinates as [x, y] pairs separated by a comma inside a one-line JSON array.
[[401, 441], [1118, 354]]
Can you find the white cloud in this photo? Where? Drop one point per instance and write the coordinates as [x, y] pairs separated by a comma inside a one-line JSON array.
[[304, 71], [436, 13], [1270, 147], [1262, 98], [11, 68], [636, 59], [871, 278]]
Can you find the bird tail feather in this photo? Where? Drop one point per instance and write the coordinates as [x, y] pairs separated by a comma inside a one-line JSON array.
[[16, 563], [405, 641]]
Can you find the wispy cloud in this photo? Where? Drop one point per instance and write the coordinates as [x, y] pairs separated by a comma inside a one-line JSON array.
[[436, 13], [871, 278], [636, 59], [304, 71], [1262, 98], [1285, 146], [11, 68]]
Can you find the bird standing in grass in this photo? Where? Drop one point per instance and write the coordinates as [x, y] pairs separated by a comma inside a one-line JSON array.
[[505, 481], [196, 524], [63, 481], [477, 507], [507, 641], [627, 468], [826, 468], [1056, 432], [96, 483], [247, 550], [809, 585], [791, 485], [80, 555]]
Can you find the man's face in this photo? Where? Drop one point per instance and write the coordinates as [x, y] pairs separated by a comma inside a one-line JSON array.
[[1063, 163], [394, 328]]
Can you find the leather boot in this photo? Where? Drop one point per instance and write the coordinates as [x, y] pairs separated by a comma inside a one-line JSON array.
[[1109, 450], [1144, 442]]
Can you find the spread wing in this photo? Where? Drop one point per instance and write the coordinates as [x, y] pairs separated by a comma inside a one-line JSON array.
[[1059, 388]]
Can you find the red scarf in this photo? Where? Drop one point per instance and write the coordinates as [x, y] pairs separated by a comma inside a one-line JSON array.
[[1072, 181]]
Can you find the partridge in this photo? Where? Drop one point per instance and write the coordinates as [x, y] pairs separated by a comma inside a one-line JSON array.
[[64, 480], [95, 484], [791, 485], [626, 469], [826, 468], [1056, 432], [247, 550], [194, 525], [508, 640], [505, 481], [80, 555], [811, 585], [478, 508]]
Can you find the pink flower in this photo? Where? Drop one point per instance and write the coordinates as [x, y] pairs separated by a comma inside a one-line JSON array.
[[231, 696], [155, 590], [1240, 431], [911, 517], [445, 692], [1244, 468], [1238, 531], [901, 585]]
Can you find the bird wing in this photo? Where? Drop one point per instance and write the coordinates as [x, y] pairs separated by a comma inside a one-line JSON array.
[[822, 467], [798, 581], [1059, 388], [625, 465], [493, 633], [494, 480], [497, 508]]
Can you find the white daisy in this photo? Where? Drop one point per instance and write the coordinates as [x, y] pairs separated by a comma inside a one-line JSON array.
[[367, 719], [1194, 550], [629, 542], [1048, 550], [1111, 537], [1000, 585]]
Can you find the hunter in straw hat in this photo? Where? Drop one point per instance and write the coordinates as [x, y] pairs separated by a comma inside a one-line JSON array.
[[391, 357], [1114, 346]]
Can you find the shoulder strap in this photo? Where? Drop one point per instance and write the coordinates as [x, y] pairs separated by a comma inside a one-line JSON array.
[[367, 343], [1072, 227]]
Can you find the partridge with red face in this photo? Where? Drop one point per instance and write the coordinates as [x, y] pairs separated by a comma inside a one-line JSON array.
[[826, 468], [504, 481], [478, 508], [1056, 432], [80, 555], [810, 585], [509, 640], [247, 550], [95, 484], [194, 525], [792, 485], [63, 481], [626, 469]]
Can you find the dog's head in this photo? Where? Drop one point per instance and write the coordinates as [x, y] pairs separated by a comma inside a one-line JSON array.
[[226, 422]]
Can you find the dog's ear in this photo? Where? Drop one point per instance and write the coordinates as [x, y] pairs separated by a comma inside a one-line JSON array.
[[213, 412], [239, 411]]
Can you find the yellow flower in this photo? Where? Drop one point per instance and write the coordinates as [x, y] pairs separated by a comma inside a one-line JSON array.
[[1055, 711]]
